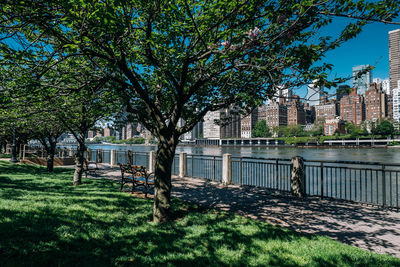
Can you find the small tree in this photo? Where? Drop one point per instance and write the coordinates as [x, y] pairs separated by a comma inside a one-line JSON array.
[[261, 129], [385, 128]]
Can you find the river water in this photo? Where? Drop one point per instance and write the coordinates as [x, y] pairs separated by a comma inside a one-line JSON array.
[[384, 155]]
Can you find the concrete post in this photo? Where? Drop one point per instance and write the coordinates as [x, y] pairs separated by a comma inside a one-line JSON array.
[[88, 154], [113, 158], [71, 153], [99, 156], [182, 164], [297, 178], [23, 152], [130, 157], [152, 161], [227, 169]]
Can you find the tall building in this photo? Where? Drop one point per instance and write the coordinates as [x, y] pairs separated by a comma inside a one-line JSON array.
[[341, 91], [295, 112], [233, 128], [211, 129], [108, 131], [374, 103], [262, 112], [325, 112], [195, 133], [309, 113], [276, 115], [352, 108], [396, 102], [282, 95], [361, 81], [248, 123], [90, 134], [384, 83], [313, 94], [389, 106], [394, 58]]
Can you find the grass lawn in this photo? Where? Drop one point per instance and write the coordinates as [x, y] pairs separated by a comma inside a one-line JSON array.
[[46, 221]]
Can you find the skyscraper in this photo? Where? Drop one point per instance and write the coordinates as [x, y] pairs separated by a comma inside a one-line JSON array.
[[313, 94], [394, 58], [361, 81], [396, 102], [385, 85]]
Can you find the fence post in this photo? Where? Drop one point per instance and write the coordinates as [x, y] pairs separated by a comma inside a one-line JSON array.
[[130, 157], [227, 169], [88, 154], [71, 153], [322, 179], [182, 164], [241, 171], [113, 158], [297, 177], [276, 174], [99, 156], [20, 151], [383, 186], [152, 161], [23, 153]]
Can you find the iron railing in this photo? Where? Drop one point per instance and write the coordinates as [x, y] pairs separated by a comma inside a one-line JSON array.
[[269, 173], [364, 182], [208, 167]]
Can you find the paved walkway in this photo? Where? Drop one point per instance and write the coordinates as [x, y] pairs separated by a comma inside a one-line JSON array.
[[363, 226]]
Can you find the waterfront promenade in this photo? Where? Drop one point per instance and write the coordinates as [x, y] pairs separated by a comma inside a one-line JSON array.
[[367, 227]]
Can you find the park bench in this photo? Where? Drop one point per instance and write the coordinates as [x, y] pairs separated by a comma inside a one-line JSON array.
[[90, 167], [137, 176]]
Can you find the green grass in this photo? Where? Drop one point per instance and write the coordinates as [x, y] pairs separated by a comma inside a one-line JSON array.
[[5, 156], [46, 221]]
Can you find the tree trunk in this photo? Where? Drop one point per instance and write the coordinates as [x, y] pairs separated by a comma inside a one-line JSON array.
[[162, 184], [50, 156], [79, 159]]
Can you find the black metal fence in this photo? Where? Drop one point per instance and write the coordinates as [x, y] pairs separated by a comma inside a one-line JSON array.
[[269, 173], [208, 167], [364, 182]]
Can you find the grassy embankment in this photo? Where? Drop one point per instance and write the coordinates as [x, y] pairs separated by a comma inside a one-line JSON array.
[[46, 221]]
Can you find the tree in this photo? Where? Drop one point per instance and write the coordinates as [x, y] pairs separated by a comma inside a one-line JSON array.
[[384, 128], [181, 59], [355, 130], [71, 95], [79, 96], [261, 129]]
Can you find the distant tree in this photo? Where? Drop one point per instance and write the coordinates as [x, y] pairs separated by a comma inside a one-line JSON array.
[[296, 130], [261, 129], [355, 130], [385, 128]]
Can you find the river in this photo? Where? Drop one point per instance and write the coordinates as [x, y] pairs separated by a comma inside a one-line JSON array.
[[385, 155]]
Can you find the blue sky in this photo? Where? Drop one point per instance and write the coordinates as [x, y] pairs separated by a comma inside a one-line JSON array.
[[371, 46]]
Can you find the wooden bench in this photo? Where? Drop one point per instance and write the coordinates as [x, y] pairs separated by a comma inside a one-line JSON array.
[[90, 167], [137, 176]]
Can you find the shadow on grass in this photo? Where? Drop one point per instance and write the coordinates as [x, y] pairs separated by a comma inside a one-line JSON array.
[[44, 221]]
